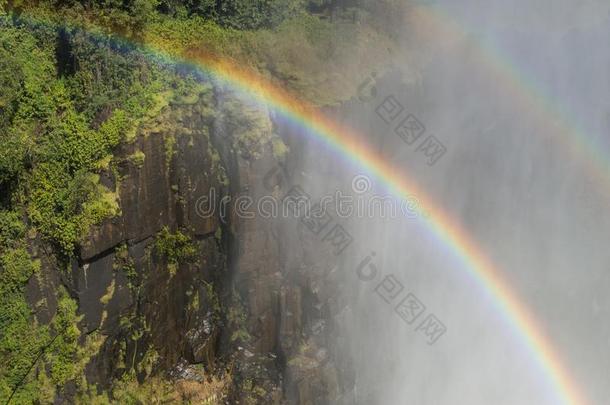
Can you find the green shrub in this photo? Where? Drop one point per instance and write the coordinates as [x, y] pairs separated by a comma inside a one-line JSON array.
[[20, 340], [239, 14], [12, 228], [176, 247], [62, 354]]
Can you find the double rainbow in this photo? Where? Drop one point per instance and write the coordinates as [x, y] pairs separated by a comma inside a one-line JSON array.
[[446, 229], [525, 93]]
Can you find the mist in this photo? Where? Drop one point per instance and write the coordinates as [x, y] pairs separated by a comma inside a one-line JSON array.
[[512, 91]]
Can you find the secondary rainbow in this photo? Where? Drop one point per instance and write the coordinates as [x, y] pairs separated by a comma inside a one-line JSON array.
[[521, 89], [439, 222]]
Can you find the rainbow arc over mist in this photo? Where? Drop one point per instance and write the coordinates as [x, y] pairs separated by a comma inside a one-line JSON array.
[[445, 228], [346, 142], [524, 92]]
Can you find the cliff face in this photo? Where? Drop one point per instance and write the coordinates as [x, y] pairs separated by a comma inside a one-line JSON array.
[[173, 289]]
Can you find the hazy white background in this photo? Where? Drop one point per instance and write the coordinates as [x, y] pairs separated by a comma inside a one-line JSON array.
[[520, 188]]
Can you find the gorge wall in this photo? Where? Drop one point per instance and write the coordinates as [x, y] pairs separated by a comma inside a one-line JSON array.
[[220, 304]]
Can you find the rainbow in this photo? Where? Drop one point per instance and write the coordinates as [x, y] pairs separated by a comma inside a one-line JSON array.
[[523, 91], [345, 141]]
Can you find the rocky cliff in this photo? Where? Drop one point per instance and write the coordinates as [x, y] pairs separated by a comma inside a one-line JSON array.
[[178, 287]]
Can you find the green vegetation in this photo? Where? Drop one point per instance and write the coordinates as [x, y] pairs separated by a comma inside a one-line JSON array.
[[56, 136], [59, 124], [240, 14], [249, 126], [177, 248], [20, 341], [123, 262], [313, 48], [61, 355], [28, 350], [74, 88], [130, 16], [236, 317], [137, 158]]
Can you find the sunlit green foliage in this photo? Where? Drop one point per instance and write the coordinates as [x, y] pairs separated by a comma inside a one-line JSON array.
[[58, 128], [53, 135], [20, 340], [70, 95], [62, 353], [176, 247], [26, 346]]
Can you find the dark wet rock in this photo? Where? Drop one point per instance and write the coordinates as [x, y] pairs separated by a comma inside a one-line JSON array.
[[179, 314]]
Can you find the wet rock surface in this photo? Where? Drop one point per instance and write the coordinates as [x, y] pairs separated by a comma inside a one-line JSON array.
[[249, 308]]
